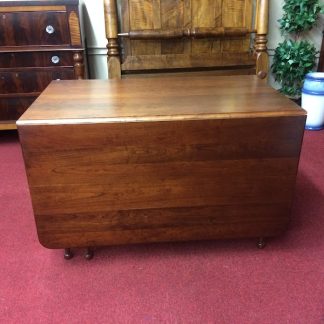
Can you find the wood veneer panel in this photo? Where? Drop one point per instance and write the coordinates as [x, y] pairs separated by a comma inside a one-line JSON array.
[[173, 98], [31, 80], [203, 139], [34, 59], [124, 26], [8, 125], [187, 23], [76, 181], [145, 14], [234, 15], [155, 225], [29, 28], [74, 29], [12, 108], [38, 43], [44, 3], [32, 8], [184, 53], [172, 16], [179, 61], [206, 14]]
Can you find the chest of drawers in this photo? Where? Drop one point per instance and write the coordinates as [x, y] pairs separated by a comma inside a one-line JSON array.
[[40, 41]]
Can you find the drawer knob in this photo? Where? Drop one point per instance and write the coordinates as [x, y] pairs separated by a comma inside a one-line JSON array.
[[50, 29], [55, 59]]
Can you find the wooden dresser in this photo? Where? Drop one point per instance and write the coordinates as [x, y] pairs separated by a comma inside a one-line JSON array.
[[40, 41]]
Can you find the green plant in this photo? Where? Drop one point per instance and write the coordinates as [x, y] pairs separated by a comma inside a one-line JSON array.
[[299, 15], [292, 61], [294, 58]]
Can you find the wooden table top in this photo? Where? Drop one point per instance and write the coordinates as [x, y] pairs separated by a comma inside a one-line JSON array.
[[157, 99]]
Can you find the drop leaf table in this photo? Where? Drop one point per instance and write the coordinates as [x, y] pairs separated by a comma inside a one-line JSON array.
[[160, 159]]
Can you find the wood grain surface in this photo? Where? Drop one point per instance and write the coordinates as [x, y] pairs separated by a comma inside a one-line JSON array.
[[148, 160], [28, 3], [40, 41], [29, 28], [31, 8], [74, 29], [173, 98], [150, 24]]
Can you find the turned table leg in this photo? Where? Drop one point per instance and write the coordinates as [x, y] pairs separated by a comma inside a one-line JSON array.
[[89, 254], [261, 243], [68, 254]]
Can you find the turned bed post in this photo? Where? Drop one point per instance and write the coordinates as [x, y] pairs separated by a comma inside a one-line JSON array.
[[260, 43], [78, 65], [111, 22]]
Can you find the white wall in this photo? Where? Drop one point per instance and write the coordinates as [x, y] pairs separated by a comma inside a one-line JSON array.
[[92, 14], [93, 26]]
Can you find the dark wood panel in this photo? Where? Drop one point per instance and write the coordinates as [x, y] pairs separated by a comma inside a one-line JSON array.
[[39, 42], [36, 59], [13, 108], [155, 217], [29, 28], [208, 139], [198, 232], [233, 70], [155, 225], [30, 80], [140, 155], [168, 192], [42, 48], [98, 170], [44, 3]]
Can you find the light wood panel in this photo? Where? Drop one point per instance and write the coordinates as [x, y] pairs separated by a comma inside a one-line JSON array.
[[7, 125], [236, 13], [172, 16], [164, 15], [145, 14], [74, 29], [32, 8], [206, 14]]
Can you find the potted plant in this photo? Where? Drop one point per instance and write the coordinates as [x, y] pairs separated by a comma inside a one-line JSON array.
[[295, 57]]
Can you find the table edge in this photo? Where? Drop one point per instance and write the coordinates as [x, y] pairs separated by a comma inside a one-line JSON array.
[[131, 119]]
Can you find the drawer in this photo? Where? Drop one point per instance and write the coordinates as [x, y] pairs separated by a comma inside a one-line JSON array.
[[32, 80], [36, 59], [13, 108], [34, 28]]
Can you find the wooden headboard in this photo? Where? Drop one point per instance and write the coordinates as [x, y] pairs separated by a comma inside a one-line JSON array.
[[160, 35]]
